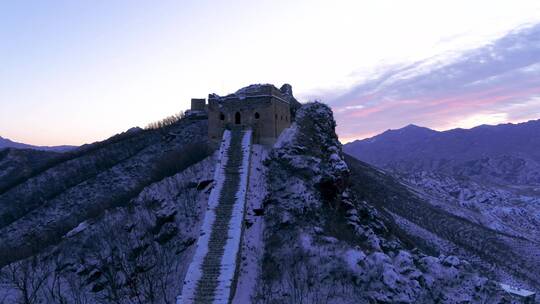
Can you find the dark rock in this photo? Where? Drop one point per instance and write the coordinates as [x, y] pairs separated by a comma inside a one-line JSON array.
[[97, 287], [168, 231], [94, 275], [258, 211], [162, 219]]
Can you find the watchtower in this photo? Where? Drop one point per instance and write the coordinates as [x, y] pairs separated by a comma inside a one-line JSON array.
[[261, 107]]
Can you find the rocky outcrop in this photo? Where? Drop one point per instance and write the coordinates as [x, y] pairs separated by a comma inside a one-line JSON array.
[[325, 245]]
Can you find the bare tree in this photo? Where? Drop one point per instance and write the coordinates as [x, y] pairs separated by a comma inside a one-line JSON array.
[[76, 289], [167, 121], [57, 288], [131, 266], [27, 278]]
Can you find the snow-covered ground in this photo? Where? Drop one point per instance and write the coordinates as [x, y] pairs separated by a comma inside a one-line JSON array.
[[252, 245], [154, 233], [497, 208]]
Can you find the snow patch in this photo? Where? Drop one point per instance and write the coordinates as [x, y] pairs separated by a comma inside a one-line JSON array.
[[252, 244], [81, 227]]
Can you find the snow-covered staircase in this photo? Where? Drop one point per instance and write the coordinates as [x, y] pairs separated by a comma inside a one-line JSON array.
[[211, 275]]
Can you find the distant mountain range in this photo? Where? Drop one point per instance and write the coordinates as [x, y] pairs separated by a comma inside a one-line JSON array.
[[503, 154], [7, 143]]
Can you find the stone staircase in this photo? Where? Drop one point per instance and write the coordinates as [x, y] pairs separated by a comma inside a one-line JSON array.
[[212, 273]]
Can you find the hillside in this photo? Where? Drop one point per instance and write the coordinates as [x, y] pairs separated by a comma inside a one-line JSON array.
[[488, 174], [117, 222], [485, 177], [15, 164], [440, 230]]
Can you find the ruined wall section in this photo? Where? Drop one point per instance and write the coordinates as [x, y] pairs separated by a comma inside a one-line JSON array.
[[281, 119]]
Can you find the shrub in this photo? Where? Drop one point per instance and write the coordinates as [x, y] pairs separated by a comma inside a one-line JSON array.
[[165, 122]]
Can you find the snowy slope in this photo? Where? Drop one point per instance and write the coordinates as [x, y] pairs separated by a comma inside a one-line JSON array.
[[497, 208], [133, 253], [486, 177], [252, 246]]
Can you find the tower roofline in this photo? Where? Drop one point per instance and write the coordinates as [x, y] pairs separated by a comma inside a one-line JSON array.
[[252, 91]]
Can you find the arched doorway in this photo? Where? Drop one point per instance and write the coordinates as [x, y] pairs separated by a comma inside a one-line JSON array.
[[237, 119]]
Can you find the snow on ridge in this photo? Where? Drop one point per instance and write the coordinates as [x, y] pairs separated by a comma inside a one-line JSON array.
[[232, 247], [252, 240], [78, 229], [516, 290], [287, 136]]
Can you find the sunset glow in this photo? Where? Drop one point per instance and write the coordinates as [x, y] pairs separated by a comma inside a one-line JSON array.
[[75, 72]]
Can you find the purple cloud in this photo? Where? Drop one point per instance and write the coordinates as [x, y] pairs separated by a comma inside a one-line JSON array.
[[500, 80]]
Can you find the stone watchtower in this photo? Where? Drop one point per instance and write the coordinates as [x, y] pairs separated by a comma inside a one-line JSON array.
[[261, 107]]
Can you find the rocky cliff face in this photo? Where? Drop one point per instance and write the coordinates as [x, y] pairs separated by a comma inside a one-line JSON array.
[[323, 244], [116, 223]]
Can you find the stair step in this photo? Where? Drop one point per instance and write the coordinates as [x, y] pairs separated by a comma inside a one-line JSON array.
[[207, 287]]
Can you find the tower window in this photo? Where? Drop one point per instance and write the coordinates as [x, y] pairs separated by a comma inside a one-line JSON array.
[[221, 116], [257, 116], [237, 119]]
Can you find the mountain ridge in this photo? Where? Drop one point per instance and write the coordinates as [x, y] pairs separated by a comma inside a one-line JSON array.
[[311, 231], [417, 148], [8, 143], [413, 126]]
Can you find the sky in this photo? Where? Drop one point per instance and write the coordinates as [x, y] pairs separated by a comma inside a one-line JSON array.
[[74, 72]]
